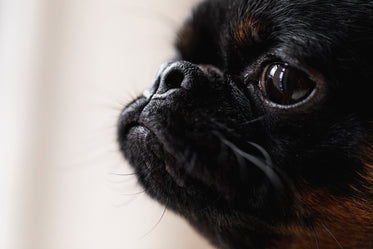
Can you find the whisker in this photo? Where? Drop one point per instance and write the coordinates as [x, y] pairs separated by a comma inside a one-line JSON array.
[[242, 165], [253, 120], [265, 154], [120, 182], [331, 234], [221, 126], [127, 202], [152, 15], [312, 241], [120, 174], [156, 224], [132, 194], [186, 156], [112, 107], [265, 168], [191, 161], [316, 238], [269, 161]]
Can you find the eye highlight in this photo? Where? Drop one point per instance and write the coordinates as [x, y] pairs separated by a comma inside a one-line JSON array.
[[285, 85]]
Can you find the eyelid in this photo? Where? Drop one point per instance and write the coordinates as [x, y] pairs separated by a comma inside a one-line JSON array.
[[254, 72]]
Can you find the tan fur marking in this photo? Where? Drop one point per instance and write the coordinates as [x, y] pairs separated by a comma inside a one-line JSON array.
[[337, 221], [250, 31]]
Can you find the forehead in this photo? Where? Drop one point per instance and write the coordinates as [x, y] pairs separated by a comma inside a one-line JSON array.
[[297, 22], [310, 31], [317, 33]]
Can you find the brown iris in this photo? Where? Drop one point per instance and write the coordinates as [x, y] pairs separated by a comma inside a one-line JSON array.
[[285, 85]]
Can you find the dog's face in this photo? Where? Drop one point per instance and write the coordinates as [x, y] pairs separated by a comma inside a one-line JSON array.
[[259, 133]]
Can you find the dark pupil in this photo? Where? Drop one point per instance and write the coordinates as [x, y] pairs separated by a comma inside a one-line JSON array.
[[285, 85]]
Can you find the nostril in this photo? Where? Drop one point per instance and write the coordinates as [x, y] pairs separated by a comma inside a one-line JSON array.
[[174, 78]]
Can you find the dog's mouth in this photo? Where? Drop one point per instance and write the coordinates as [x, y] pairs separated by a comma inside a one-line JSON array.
[[158, 166], [159, 159], [189, 168]]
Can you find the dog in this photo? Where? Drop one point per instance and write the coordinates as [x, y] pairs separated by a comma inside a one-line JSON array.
[[259, 132]]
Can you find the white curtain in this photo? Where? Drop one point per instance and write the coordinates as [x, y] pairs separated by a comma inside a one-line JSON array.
[[66, 69]]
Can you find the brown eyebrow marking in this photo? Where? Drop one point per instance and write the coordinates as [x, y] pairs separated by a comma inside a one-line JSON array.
[[250, 31]]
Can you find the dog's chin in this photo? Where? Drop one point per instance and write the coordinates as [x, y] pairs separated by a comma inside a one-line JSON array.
[[155, 159], [160, 173]]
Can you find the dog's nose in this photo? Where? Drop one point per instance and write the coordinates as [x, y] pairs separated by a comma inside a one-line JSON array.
[[176, 75], [179, 75]]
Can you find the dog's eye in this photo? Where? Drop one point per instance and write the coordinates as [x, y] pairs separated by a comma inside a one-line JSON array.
[[285, 85]]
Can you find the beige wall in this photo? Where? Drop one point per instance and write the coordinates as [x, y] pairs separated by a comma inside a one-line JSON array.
[[67, 68]]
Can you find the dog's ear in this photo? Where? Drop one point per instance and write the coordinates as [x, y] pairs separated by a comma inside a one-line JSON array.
[[198, 41]]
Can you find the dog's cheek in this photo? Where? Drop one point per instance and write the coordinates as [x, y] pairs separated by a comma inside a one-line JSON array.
[[333, 221]]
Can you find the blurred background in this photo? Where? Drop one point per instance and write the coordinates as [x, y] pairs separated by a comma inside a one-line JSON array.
[[67, 67]]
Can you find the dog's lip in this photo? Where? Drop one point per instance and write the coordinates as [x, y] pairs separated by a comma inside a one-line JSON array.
[[129, 119], [142, 133], [130, 115]]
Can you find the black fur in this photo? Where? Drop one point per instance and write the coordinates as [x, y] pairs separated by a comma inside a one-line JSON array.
[[205, 143]]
